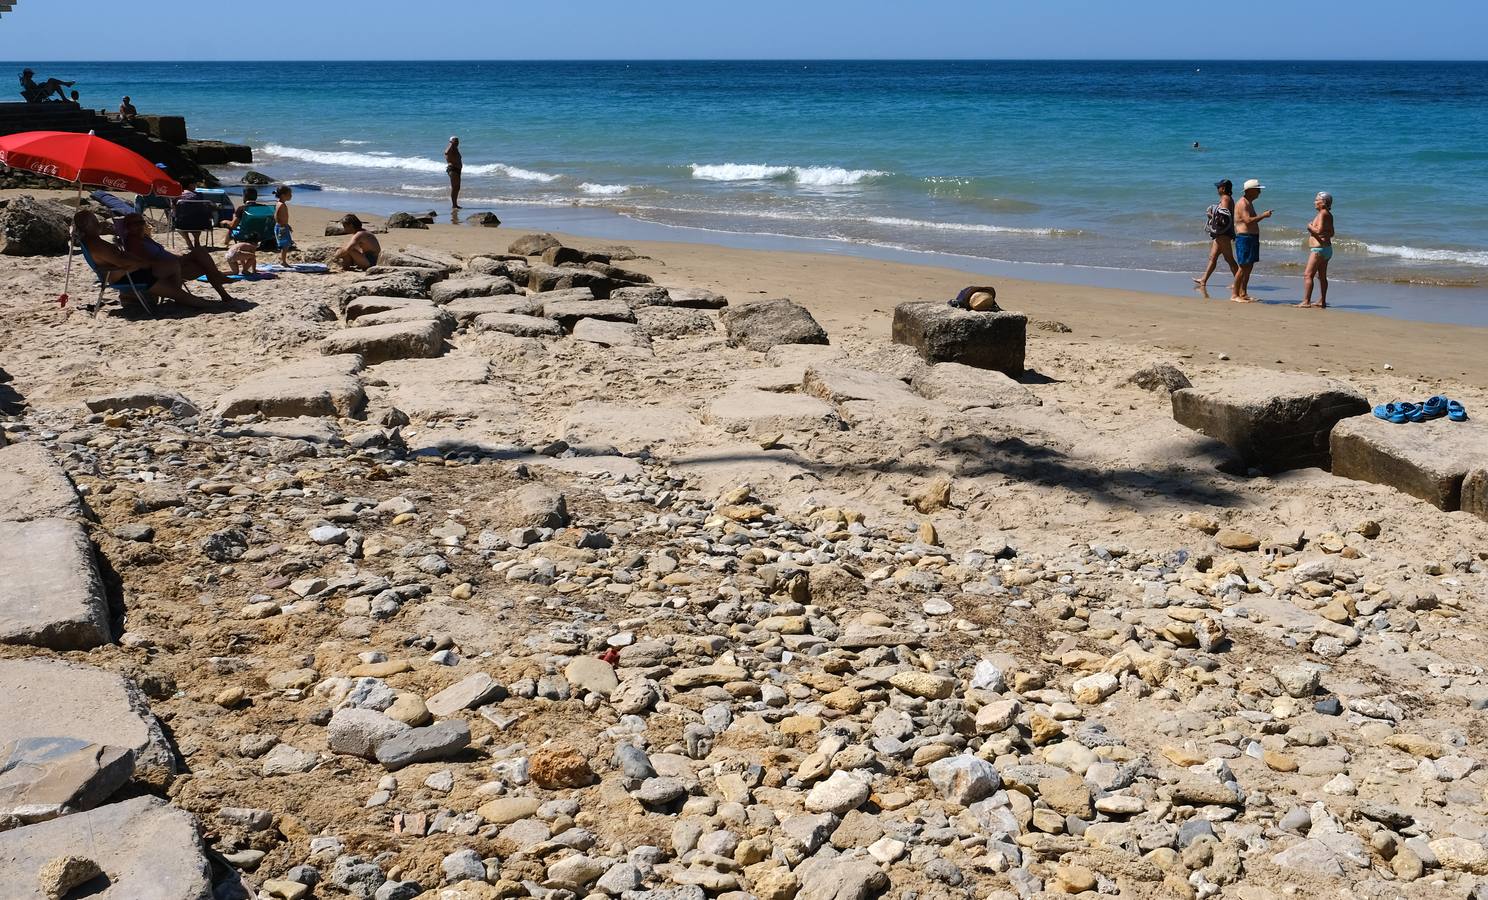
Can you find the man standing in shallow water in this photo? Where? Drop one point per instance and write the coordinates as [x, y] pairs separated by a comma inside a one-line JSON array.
[[453, 163], [1247, 240]]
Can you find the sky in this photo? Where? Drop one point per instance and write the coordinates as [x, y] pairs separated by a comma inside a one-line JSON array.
[[41, 30]]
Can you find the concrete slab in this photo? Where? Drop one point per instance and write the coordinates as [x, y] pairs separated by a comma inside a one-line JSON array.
[[316, 386], [366, 306], [431, 313], [743, 409], [473, 285], [48, 698], [543, 279], [568, 312], [1274, 420], [466, 309], [595, 426], [619, 335], [50, 592], [1427, 460], [141, 397], [518, 324], [33, 486], [43, 778], [940, 333], [967, 387], [147, 849], [379, 343]]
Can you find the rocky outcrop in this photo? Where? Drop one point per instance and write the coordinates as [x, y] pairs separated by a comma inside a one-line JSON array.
[[31, 227], [768, 323]]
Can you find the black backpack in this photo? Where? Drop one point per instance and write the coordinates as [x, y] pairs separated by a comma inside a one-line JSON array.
[[1220, 221]]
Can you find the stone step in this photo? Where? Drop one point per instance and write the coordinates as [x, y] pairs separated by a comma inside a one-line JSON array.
[[50, 592], [316, 386], [379, 343], [1427, 460]]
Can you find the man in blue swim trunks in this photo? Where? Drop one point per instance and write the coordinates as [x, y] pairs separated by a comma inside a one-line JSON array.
[[1247, 240]]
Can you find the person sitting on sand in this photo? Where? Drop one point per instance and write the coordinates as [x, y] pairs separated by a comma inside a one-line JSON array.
[[1221, 228], [362, 250], [250, 198], [1247, 240], [1319, 252], [170, 268], [117, 261]]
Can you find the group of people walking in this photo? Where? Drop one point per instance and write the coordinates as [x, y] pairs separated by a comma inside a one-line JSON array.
[[1234, 228]]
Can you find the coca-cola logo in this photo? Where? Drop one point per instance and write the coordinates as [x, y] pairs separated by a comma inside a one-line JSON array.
[[42, 168], [116, 184]]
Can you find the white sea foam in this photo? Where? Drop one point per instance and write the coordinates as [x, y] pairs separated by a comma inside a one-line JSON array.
[[353, 143], [1464, 257], [409, 163], [603, 190], [894, 221], [813, 176]]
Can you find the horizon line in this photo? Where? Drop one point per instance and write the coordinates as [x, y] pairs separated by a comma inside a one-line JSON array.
[[774, 59]]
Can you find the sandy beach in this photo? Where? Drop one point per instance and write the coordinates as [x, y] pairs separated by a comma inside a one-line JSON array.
[[702, 621]]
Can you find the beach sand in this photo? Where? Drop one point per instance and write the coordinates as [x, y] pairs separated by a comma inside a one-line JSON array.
[[1094, 489]]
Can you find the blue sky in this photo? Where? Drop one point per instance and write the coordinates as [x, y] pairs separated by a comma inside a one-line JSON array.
[[708, 29]]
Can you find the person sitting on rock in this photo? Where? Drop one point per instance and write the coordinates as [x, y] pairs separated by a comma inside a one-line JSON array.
[[127, 112], [362, 250], [36, 93]]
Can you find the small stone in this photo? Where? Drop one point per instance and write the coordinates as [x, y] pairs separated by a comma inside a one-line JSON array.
[[838, 794], [1232, 539], [964, 779], [59, 876], [924, 684], [560, 766], [1074, 879]]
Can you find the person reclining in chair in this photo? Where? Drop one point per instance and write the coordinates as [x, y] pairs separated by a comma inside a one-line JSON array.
[[36, 93], [162, 277], [171, 267]]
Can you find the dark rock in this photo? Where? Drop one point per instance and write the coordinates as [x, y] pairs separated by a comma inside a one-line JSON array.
[[1273, 420], [257, 178], [31, 227], [225, 546], [618, 274], [405, 220], [1160, 377], [416, 745], [559, 255], [768, 323], [484, 220], [533, 244], [1328, 706], [543, 279], [986, 340]]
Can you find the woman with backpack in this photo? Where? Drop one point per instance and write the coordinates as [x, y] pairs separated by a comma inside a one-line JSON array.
[[1221, 228]]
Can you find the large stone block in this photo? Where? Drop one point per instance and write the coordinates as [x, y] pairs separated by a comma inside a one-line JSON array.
[[767, 323], [147, 849], [471, 286], [41, 698], [841, 384], [1427, 460], [967, 387], [1272, 419], [612, 334], [50, 592], [517, 324], [141, 397], [943, 334], [543, 279], [435, 314], [379, 343], [1475, 492], [568, 312], [33, 486], [465, 309], [317, 386], [371, 305]]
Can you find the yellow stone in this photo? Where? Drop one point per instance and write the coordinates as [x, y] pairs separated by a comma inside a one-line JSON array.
[[1181, 756], [400, 518], [381, 669], [1279, 762]]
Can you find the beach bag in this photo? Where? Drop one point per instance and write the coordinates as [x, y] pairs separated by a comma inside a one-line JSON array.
[[1218, 221]]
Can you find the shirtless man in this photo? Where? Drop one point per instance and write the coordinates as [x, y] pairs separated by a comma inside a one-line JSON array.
[[453, 163], [1319, 251], [127, 112], [117, 262], [362, 250], [1247, 240], [174, 270]]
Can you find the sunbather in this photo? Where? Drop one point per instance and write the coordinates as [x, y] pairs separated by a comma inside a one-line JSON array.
[[362, 250], [117, 262], [170, 267]]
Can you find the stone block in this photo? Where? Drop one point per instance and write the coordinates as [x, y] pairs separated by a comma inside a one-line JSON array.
[[1427, 460], [758, 412], [1475, 492], [317, 386], [519, 325], [46, 777], [943, 334], [767, 323], [435, 314], [33, 486], [141, 397], [147, 849], [543, 279], [841, 384], [568, 312], [611, 334], [470, 286], [50, 592], [379, 343], [465, 309], [45, 698], [1273, 420], [967, 387], [370, 305]]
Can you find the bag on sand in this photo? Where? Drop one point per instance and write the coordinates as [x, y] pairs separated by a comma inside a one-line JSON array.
[[977, 298], [1218, 221]]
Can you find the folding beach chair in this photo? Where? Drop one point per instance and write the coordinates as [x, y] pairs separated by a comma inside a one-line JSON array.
[[256, 226], [137, 286], [192, 217], [113, 204]]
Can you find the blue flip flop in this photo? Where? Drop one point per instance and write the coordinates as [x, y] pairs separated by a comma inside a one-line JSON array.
[[1385, 410], [1456, 412], [1433, 408], [1404, 412]]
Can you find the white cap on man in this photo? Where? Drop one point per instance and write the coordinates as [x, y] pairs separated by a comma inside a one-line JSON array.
[[1254, 184]]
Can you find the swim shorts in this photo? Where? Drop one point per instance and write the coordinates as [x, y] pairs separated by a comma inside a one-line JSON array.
[[283, 237], [1247, 249], [1324, 252]]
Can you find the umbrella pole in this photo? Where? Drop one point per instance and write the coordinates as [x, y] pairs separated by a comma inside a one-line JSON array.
[[71, 236]]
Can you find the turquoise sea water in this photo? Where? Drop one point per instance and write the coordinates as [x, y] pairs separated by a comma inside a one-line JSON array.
[[1058, 163]]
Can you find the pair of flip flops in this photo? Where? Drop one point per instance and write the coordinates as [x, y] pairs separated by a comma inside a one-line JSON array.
[[1436, 407]]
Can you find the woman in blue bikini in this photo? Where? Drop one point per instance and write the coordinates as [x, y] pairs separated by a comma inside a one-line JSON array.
[[1319, 251]]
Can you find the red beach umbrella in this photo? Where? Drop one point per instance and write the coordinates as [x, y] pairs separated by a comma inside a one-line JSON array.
[[84, 159]]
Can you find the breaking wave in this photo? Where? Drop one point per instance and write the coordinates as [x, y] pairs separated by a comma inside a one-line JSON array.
[[410, 163], [811, 176]]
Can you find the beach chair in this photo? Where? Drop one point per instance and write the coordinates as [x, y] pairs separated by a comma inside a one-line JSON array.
[[136, 286], [113, 204], [256, 226], [192, 217]]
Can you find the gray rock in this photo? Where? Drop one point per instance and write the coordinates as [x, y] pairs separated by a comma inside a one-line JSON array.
[[148, 849], [33, 486], [287, 760], [521, 325], [695, 298], [968, 387], [1160, 377], [559, 255], [438, 741], [139, 398], [942, 334], [535, 505], [840, 879], [471, 691], [544, 279], [470, 286], [619, 879], [1273, 420], [317, 386], [533, 244], [462, 865], [767, 323], [964, 779], [359, 732], [356, 877], [811, 832], [32, 227], [379, 343], [58, 700], [838, 794], [672, 323], [50, 592], [575, 873], [567, 313], [398, 890], [45, 777], [1427, 460], [611, 334], [661, 791]]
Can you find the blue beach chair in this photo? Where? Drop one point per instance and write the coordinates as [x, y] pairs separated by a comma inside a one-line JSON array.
[[137, 286]]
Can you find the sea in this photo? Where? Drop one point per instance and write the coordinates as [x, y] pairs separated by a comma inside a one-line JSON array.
[[1087, 172]]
